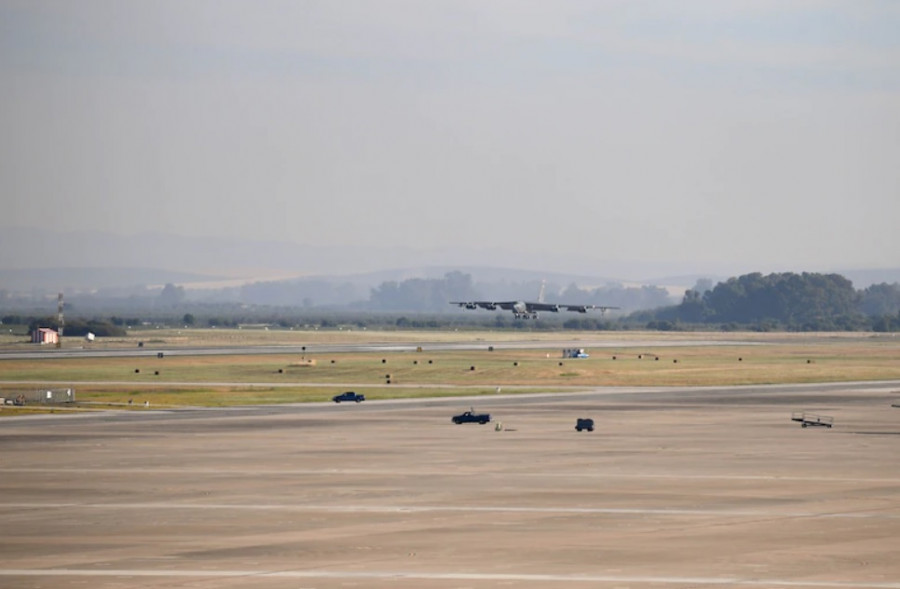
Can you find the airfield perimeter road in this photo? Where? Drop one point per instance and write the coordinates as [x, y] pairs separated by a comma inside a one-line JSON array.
[[676, 488], [134, 352]]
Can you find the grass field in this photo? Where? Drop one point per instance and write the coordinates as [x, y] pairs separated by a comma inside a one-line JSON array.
[[617, 359]]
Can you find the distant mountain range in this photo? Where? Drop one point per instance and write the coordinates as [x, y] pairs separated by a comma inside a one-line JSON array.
[[38, 260]]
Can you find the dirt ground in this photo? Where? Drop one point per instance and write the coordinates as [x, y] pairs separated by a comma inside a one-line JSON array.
[[679, 488]]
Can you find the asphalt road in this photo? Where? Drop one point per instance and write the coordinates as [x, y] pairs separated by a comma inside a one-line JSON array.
[[800, 394], [152, 351], [680, 487]]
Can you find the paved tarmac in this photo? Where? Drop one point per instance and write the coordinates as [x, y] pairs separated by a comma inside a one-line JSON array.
[[675, 488], [47, 353]]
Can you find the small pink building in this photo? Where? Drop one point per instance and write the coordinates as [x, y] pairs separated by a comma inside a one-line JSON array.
[[44, 335]]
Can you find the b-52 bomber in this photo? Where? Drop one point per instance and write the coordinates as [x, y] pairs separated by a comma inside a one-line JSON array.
[[529, 309]]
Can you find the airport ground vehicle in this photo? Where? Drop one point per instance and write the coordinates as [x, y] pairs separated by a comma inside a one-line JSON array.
[[349, 396], [584, 423], [471, 417], [811, 419]]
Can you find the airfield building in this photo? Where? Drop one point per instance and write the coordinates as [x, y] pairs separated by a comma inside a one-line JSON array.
[[44, 335]]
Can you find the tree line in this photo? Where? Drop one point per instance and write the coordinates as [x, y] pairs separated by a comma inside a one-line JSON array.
[[785, 301]]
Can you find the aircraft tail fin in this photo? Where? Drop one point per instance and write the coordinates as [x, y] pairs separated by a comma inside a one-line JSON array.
[[541, 294]]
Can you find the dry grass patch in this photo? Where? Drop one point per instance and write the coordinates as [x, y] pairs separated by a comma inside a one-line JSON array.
[[220, 380]]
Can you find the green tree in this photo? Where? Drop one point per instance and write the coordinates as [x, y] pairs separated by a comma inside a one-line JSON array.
[[880, 299], [799, 301], [693, 307]]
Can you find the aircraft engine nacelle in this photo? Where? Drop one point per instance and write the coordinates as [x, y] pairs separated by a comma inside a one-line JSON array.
[[489, 307], [471, 306]]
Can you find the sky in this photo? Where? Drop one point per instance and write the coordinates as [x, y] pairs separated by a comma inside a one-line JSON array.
[[745, 135]]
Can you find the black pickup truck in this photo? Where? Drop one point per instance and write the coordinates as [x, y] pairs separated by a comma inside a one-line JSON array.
[[584, 423], [349, 396], [471, 417]]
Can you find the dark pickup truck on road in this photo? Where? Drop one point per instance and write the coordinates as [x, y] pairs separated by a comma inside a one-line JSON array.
[[471, 417], [348, 396], [584, 423]]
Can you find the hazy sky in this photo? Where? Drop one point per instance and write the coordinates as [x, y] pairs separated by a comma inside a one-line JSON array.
[[758, 134]]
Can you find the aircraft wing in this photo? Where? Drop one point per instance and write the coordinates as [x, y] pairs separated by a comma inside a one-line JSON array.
[[489, 305], [506, 305], [584, 308], [532, 307], [528, 306]]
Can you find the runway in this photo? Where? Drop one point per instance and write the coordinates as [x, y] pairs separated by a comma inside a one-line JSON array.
[[394, 578], [676, 488]]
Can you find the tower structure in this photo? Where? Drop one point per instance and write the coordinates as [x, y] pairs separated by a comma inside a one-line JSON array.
[[60, 319]]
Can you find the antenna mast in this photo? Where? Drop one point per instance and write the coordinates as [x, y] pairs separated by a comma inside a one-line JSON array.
[[60, 319]]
